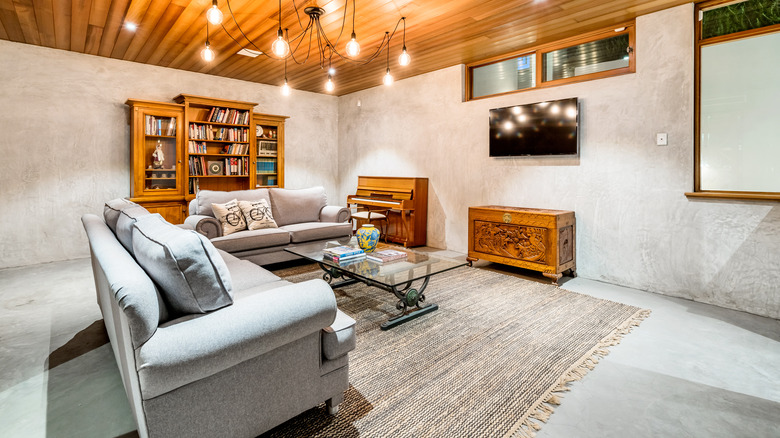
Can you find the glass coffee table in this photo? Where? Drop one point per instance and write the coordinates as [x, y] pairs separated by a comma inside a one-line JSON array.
[[396, 277]]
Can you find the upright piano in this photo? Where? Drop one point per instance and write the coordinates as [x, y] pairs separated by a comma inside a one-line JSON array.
[[407, 199]]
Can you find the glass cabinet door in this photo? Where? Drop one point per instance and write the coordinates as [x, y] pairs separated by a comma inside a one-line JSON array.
[[157, 149]]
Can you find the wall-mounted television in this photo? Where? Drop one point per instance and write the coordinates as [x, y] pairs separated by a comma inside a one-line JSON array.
[[535, 129]]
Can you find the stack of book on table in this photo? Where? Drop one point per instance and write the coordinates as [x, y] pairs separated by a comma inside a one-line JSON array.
[[386, 255], [343, 254]]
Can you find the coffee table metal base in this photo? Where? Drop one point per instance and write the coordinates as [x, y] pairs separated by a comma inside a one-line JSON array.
[[408, 297]]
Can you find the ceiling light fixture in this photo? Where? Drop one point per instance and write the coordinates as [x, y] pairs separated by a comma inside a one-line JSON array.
[[285, 87], [280, 47], [285, 47], [388, 79], [353, 47], [207, 54], [214, 15], [404, 59]]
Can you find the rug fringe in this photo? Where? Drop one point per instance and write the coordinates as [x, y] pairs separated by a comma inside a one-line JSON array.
[[545, 406]]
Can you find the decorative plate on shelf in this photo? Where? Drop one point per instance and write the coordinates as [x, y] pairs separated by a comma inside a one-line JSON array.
[[259, 131]]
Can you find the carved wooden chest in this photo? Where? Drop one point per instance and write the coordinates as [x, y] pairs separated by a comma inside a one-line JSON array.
[[530, 238]]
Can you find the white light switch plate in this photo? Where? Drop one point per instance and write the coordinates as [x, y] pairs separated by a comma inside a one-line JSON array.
[[660, 139]]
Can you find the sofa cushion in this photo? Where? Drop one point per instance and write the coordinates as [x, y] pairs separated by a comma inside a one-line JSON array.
[[230, 217], [192, 275], [255, 239], [310, 231], [111, 211], [124, 225], [257, 214], [205, 198], [339, 338], [296, 206], [245, 275]]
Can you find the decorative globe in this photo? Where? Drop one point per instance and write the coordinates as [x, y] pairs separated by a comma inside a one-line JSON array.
[[367, 237]]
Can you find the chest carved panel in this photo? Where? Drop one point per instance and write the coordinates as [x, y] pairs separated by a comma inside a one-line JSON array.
[[515, 241]]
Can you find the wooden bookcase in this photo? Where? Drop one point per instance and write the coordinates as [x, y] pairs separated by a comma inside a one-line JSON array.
[[158, 186], [269, 151], [218, 144], [246, 150]]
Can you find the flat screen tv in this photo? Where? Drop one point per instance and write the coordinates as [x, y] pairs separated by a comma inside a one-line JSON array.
[[535, 129]]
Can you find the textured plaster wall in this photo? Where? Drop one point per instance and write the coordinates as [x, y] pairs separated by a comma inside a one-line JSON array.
[[65, 141], [635, 227]]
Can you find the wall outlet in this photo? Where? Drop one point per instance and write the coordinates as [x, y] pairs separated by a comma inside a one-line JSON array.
[[660, 139]]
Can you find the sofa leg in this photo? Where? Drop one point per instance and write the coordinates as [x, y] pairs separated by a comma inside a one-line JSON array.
[[333, 404]]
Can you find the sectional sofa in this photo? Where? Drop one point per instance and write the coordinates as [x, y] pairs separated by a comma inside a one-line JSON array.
[[208, 344]]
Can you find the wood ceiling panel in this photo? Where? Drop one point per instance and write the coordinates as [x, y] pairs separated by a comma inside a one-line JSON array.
[[11, 21], [116, 16], [79, 22], [26, 14], [44, 15], [135, 14], [440, 33]]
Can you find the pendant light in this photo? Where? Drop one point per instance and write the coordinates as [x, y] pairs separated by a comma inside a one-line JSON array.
[[404, 59], [388, 79], [280, 47], [329, 85], [353, 47], [285, 87], [214, 15], [207, 54]]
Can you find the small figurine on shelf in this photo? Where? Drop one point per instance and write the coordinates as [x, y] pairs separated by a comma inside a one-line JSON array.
[[157, 156]]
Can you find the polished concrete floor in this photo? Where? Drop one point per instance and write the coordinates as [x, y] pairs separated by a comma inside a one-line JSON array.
[[690, 370]]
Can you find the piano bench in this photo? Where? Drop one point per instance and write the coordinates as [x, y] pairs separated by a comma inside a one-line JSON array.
[[369, 216]]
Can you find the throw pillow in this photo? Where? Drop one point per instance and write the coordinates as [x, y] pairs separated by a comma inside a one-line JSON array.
[[111, 211], [257, 214], [185, 265], [230, 216], [124, 225]]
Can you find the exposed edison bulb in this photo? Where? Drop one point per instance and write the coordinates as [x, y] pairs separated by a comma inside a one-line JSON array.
[[404, 59], [388, 79], [280, 46], [353, 47], [330, 86], [214, 15], [207, 54], [285, 88]]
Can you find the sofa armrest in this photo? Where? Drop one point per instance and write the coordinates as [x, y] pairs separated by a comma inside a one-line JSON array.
[[200, 346], [206, 225], [334, 213]]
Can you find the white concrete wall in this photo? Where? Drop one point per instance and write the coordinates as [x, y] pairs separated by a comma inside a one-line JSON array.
[[635, 227], [65, 140]]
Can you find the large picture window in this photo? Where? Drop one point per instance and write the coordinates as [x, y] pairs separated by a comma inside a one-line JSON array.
[[737, 147]]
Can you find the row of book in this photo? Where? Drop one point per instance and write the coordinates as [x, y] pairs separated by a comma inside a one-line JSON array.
[[227, 115], [197, 147], [205, 132], [236, 149], [236, 166], [158, 126], [266, 165]]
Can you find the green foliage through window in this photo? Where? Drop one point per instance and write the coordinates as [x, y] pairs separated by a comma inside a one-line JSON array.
[[738, 17]]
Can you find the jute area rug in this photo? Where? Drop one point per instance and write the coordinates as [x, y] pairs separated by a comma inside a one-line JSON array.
[[492, 361]]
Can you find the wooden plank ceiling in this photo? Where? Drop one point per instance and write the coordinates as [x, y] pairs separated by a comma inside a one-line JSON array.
[[439, 33]]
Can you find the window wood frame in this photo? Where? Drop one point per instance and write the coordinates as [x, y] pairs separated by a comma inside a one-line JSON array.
[[540, 50], [699, 43]]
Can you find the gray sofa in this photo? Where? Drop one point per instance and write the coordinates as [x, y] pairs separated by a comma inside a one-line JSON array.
[[302, 215], [270, 351]]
